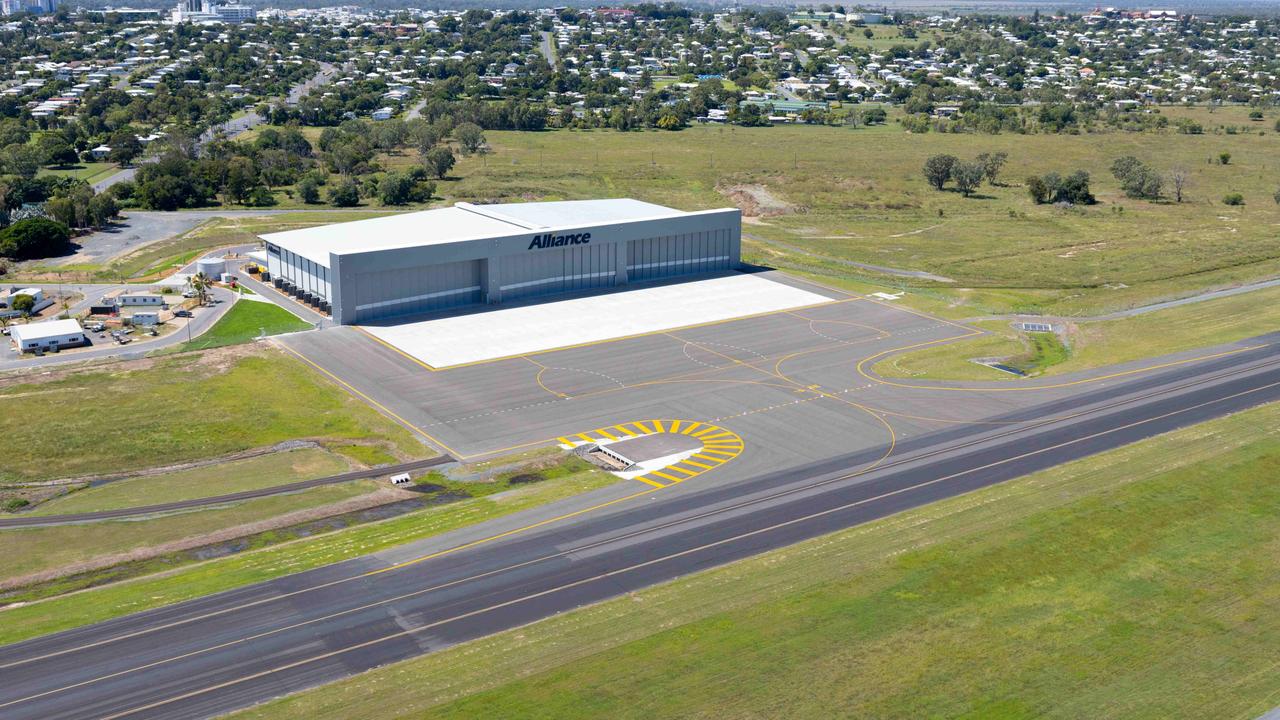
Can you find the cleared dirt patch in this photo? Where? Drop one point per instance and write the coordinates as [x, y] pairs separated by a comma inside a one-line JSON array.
[[755, 200]]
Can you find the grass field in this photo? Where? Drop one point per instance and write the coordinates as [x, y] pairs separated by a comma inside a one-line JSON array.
[[38, 549], [61, 613], [858, 194], [176, 409], [221, 479], [246, 320], [1141, 583], [90, 172], [1095, 344]]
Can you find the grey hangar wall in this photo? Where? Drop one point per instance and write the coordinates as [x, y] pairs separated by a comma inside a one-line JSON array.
[[377, 284]]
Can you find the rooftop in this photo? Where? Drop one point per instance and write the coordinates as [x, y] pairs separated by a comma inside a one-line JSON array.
[[42, 330], [461, 222]]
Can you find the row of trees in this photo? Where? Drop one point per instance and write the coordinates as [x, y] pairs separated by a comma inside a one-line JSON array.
[[967, 175]]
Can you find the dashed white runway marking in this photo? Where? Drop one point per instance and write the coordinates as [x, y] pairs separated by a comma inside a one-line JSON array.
[[610, 378], [690, 358]]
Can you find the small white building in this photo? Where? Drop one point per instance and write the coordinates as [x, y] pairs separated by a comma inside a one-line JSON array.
[[36, 294], [140, 299], [145, 318], [383, 113], [52, 335]]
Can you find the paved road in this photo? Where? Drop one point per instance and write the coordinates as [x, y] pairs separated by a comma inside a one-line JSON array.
[[36, 520], [323, 77], [546, 48], [218, 653]]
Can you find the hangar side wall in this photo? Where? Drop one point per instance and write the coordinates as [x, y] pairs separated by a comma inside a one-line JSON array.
[[386, 283], [306, 275], [421, 289]]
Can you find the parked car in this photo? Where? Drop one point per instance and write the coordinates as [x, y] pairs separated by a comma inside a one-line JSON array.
[[182, 313]]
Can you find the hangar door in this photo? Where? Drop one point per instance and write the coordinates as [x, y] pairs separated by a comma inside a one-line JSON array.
[[557, 270], [406, 291], [660, 257]]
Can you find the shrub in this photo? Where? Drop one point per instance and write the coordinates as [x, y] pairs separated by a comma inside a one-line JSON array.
[[344, 194], [1233, 199], [1038, 189], [309, 191]]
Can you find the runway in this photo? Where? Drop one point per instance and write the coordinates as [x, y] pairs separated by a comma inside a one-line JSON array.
[[226, 651]]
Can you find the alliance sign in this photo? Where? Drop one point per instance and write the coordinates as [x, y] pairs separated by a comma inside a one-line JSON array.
[[550, 241]]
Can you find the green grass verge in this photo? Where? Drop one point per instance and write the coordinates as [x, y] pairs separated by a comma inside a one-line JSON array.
[[1141, 583], [368, 455], [246, 320], [1096, 344], [171, 410], [96, 605], [221, 479]]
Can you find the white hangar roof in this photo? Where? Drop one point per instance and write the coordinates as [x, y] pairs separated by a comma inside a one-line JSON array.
[[45, 330], [461, 222]]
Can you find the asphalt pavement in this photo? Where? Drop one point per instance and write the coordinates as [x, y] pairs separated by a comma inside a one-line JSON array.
[[225, 651]]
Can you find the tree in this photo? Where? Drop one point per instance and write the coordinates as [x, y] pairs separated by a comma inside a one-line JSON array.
[[1038, 189], [34, 237], [63, 210], [102, 208], [992, 163], [22, 160], [309, 190], [1136, 178], [242, 176], [394, 189], [937, 169], [23, 303], [439, 161], [1073, 189], [344, 194], [470, 137], [1178, 179], [200, 284], [669, 121], [125, 146], [56, 151], [1224, 158], [1233, 199], [968, 176]]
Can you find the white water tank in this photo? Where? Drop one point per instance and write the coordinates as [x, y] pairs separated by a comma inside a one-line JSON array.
[[212, 267]]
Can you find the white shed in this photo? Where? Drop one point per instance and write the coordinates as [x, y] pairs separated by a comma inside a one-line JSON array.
[[50, 335]]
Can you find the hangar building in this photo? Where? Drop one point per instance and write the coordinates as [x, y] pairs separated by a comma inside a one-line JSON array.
[[432, 260]]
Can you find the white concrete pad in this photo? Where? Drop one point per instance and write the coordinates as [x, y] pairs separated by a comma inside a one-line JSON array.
[[525, 329]]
